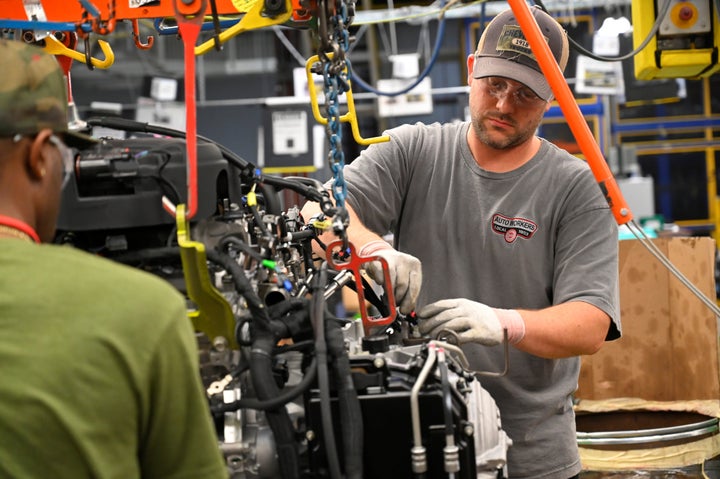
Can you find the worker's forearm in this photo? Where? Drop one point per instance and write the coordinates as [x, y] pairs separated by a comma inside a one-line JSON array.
[[570, 329], [358, 234]]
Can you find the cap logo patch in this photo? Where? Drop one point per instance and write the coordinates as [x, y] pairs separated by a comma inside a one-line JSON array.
[[512, 40]]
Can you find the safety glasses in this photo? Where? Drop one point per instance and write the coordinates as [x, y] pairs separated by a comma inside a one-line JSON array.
[[521, 97], [68, 157]]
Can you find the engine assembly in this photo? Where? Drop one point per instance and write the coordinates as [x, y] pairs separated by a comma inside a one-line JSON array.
[[295, 391]]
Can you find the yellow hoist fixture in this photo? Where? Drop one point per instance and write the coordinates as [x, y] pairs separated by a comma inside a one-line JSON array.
[[349, 117], [212, 314], [684, 37]]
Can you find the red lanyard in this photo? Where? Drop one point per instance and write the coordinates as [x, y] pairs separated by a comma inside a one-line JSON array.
[[22, 229]]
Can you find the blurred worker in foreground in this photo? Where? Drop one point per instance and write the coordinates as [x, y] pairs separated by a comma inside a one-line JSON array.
[[511, 232], [98, 361]]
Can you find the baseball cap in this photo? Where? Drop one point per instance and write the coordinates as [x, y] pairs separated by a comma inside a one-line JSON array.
[[33, 94], [503, 51]]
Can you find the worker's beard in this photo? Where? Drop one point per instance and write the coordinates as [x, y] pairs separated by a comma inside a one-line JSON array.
[[501, 140]]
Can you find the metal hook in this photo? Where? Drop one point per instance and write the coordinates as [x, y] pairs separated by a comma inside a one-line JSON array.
[[136, 36], [88, 58]]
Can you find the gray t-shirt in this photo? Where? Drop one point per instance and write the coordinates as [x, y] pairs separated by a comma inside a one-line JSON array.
[[534, 237]]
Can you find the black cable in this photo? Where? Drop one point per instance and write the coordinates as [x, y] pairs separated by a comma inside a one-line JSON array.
[[241, 321], [260, 223], [426, 71], [295, 346], [447, 400], [232, 239], [351, 421], [172, 237], [247, 170], [261, 366], [283, 398], [273, 205], [263, 380], [582, 50], [146, 254], [308, 191], [167, 186], [317, 317], [124, 124], [175, 196], [312, 182], [370, 295], [243, 287]]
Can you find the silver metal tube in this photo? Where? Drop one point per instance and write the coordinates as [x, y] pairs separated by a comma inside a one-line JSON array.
[[418, 457], [642, 436]]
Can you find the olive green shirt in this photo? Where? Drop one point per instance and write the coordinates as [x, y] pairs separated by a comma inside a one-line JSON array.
[[98, 372]]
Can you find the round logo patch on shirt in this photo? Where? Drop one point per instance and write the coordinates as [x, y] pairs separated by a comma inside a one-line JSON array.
[[513, 228]]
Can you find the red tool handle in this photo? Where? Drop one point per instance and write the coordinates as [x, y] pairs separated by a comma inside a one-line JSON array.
[[354, 263]]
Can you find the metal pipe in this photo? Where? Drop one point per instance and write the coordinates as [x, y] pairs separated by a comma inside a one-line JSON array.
[[418, 457], [649, 435]]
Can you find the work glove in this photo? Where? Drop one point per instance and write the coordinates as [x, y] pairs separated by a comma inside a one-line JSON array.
[[405, 272], [473, 322]]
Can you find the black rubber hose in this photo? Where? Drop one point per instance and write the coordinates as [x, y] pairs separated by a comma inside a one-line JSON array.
[[317, 317], [232, 238], [261, 372], [289, 318], [309, 191], [447, 399], [348, 402], [259, 223], [242, 285], [273, 205], [168, 252], [283, 398]]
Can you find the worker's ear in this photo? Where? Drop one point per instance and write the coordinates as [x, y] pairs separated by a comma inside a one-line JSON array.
[[38, 162], [470, 65]]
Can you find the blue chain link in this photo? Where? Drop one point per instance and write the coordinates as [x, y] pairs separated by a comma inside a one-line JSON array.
[[336, 156], [335, 84]]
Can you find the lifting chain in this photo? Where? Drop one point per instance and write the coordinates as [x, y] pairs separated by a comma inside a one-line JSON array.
[[334, 18]]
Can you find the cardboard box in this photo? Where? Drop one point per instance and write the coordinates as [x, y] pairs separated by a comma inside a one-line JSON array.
[[669, 348]]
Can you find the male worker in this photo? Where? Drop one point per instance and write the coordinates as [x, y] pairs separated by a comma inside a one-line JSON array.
[[512, 234], [98, 361]]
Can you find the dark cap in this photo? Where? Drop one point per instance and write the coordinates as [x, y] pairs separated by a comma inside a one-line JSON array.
[[33, 94], [503, 51]]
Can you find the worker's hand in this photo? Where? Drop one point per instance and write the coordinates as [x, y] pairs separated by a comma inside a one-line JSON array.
[[472, 322], [405, 273]]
